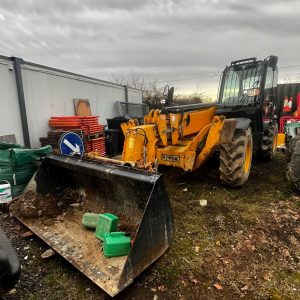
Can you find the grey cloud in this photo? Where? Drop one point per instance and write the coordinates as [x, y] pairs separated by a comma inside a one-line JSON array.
[[159, 39]]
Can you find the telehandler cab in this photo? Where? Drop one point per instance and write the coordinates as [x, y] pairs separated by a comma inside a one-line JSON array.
[[248, 94]]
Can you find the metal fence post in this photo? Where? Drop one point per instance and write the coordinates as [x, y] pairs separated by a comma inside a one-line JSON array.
[[19, 83]]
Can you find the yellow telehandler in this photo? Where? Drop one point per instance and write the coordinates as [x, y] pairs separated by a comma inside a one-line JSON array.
[[64, 188]]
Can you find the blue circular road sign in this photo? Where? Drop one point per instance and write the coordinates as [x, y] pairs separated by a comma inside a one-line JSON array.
[[71, 144]]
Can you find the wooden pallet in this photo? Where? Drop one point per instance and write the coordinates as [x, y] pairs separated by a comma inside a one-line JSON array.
[[95, 135]]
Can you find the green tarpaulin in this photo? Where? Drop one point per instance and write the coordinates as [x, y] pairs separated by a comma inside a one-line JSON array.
[[5, 146], [17, 165]]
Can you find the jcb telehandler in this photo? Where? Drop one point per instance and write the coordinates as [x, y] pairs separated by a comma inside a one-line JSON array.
[[185, 136], [240, 123]]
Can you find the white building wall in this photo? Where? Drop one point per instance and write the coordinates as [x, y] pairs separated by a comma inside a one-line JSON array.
[[51, 93], [10, 120]]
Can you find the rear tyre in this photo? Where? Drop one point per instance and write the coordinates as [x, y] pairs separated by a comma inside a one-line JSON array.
[[268, 148], [293, 167], [236, 159], [290, 148]]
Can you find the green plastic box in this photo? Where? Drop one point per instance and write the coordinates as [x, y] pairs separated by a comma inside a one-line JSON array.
[[116, 244], [90, 220], [106, 223]]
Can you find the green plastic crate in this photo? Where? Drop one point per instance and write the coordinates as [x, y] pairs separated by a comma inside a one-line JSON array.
[[106, 223], [116, 244], [90, 220]]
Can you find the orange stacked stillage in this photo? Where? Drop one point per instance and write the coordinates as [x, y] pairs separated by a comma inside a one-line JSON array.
[[90, 127]]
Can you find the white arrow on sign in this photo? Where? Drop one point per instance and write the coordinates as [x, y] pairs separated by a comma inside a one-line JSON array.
[[75, 149]]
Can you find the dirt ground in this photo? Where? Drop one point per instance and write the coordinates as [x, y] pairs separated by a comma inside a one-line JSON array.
[[244, 244]]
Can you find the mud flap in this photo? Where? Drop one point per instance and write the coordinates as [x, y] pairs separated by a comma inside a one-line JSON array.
[[138, 197], [228, 131]]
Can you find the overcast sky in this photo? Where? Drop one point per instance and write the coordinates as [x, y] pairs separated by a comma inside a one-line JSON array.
[[161, 40]]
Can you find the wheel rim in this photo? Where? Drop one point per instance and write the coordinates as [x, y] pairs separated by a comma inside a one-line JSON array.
[[248, 155]]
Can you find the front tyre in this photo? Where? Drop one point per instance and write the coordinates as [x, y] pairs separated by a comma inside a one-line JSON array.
[[236, 159]]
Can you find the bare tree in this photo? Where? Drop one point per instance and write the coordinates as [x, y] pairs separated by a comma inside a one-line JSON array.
[[132, 80], [196, 97], [153, 93]]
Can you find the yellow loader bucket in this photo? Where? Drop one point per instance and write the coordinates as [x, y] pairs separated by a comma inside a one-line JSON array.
[[65, 188]]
